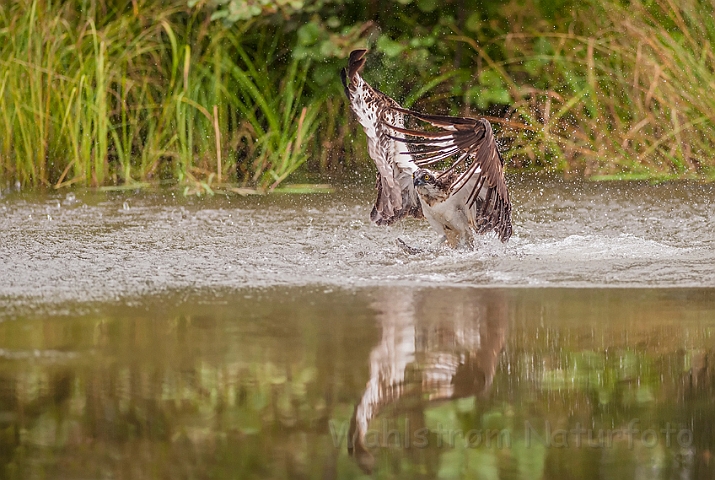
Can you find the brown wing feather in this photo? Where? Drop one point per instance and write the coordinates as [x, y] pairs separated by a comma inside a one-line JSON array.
[[396, 196], [482, 177], [477, 170]]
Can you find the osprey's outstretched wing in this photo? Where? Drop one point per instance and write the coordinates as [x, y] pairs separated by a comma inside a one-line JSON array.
[[429, 352], [396, 196], [480, 183]]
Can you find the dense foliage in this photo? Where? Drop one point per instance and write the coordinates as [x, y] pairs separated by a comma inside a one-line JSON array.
[[203, 93]]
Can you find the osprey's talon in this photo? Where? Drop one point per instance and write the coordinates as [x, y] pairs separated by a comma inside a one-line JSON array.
[[408, 249], [439, 243]]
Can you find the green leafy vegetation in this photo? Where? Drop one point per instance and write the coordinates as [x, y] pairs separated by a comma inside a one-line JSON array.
[[98, 94], [246, 92]]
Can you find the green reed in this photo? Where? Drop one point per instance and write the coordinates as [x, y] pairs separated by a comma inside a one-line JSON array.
[[153, 93], [624, 94], [121, 93]]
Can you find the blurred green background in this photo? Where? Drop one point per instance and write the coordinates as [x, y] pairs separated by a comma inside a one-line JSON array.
[[215, 92]]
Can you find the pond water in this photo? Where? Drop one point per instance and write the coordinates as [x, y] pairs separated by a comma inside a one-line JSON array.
[[152, 336]]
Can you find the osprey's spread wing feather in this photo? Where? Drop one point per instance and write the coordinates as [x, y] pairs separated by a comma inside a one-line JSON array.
[[475, 176], [396, 196], [480, 183]]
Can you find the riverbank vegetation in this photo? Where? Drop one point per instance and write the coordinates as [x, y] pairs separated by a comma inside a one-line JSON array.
[[245, 93]]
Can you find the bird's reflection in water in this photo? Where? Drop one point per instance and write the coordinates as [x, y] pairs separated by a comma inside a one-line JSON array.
[[432, 348]]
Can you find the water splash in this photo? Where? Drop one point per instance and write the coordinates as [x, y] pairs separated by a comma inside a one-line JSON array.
[[569, 235]]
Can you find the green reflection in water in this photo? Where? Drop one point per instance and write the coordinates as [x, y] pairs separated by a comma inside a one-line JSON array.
[[415, 383]]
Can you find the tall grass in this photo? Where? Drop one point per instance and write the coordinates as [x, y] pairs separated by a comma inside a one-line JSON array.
[[280, 125], [143, 92], [129, 92], [626, 92]]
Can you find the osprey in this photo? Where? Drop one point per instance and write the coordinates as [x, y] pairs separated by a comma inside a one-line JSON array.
[[468, 195], [431, 350]]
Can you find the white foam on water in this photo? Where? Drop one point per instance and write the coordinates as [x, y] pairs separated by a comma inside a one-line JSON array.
[[595, 246], [568, 235]]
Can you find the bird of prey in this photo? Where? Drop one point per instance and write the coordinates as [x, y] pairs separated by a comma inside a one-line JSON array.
[[468, 195], [429, 352]]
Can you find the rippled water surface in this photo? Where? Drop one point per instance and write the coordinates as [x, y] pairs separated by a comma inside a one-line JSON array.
[[153, 336], [95, 246]]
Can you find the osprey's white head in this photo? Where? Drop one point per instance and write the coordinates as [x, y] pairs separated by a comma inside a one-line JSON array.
[[430, 187]]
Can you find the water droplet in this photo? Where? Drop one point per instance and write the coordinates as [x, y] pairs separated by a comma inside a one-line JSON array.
[[70, 198]]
